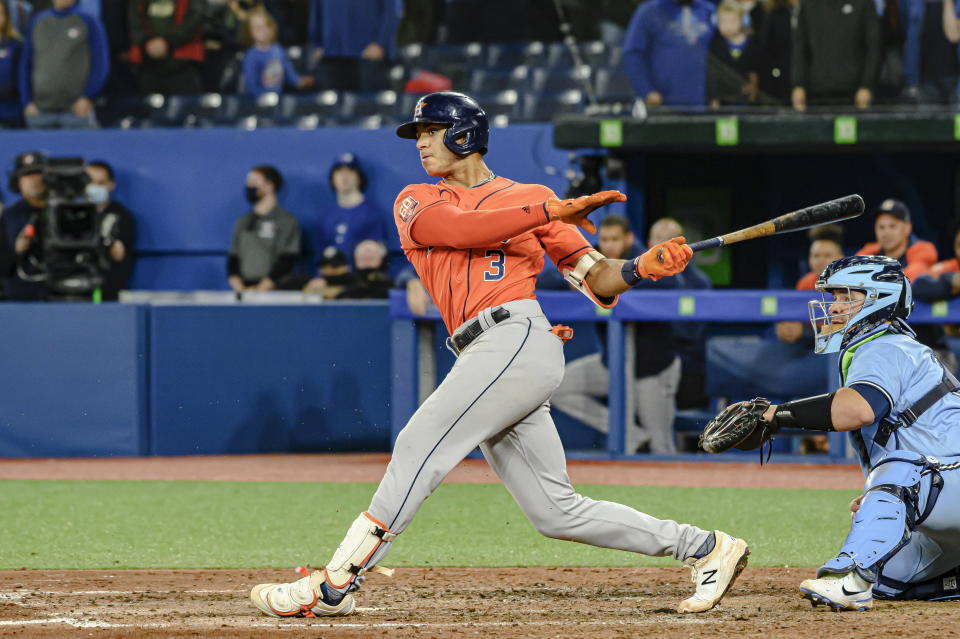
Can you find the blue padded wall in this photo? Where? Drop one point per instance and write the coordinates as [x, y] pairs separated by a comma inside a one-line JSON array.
[[241, 379], [73, 381]]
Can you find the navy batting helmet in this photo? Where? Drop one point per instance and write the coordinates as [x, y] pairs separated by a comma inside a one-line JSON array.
[[462, 114]]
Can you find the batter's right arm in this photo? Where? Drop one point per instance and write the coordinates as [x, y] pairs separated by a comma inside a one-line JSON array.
[[608, 278]]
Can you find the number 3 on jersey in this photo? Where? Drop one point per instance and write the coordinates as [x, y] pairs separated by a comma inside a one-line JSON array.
[[498, 261]]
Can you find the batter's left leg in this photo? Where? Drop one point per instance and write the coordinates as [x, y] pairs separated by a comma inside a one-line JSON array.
[[530, 461]]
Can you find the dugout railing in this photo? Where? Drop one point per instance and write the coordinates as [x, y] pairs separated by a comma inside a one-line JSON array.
[[414, 362]]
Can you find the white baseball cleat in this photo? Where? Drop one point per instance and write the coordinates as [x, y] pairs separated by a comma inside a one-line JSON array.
[[840, 592], [715, 572], [301, 598]]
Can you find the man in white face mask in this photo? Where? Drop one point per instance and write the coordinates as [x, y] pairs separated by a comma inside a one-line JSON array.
[[116, 228]]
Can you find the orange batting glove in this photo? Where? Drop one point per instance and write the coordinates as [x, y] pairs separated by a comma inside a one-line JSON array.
[[664, 259], [575, 211]]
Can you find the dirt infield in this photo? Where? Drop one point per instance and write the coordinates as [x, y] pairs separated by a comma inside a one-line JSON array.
[[439, 602], [370, 467]]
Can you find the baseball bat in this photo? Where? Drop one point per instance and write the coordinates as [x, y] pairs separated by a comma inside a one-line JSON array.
[[843, 208]]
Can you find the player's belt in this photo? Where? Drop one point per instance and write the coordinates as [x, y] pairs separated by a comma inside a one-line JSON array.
[[465, 336]]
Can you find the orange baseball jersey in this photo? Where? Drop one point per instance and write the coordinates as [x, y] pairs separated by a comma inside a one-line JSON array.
[[479, 247]]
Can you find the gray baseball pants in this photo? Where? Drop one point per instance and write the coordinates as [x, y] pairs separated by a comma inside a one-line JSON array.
[[497, 396]]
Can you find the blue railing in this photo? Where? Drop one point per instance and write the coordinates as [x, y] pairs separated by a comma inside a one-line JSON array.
[[413, 368]]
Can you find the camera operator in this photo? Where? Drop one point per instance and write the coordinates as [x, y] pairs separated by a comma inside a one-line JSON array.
[[116, 228], [18, 240]]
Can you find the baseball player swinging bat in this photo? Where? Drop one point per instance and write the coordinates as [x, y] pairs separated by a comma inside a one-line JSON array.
[[844, 208]]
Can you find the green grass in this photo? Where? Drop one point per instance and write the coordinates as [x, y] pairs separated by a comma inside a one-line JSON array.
[[155, 524]]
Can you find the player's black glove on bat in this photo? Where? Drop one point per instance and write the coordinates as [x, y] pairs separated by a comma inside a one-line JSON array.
[[740, 426]]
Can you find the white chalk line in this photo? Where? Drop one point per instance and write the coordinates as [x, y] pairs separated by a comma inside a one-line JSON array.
[[81, 623]]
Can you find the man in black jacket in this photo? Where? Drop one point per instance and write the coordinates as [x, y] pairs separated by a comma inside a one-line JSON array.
[[18, 229], [116, 228], [836, 52]]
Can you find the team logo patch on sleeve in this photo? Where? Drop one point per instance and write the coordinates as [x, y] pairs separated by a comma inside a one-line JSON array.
[[407, 208]]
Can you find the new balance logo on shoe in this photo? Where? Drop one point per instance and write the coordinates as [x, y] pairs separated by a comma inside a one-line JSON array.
[[708, 577]]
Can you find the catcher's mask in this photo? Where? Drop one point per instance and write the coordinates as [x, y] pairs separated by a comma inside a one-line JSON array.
[[887, 297]]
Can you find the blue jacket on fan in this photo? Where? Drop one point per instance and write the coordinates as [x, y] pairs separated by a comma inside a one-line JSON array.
[[665, 50], [266, 70], [9, 94], [344, 29]]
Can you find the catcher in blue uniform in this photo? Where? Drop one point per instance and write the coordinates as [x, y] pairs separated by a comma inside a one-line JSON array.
[[901, 409]]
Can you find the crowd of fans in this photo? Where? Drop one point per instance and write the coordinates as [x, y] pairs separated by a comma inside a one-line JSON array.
[[267, 248], [60, 58]]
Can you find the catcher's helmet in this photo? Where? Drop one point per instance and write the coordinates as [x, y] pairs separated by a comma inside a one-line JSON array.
[[879, 278], [460, 112]]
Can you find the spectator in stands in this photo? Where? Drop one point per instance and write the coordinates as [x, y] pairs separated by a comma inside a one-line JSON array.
[[64, 66], [116, 227], [333, 275], [689, 337], [771, 61], [665, 51], [942, 281], [419, 22], [729, 78], [370, 268], [20, 12], [266, 67], [18, 244], [930, 60], [353, 218], [895, 239], [353, 41], [656, 365], [614, 18], [10, 47], [826, 245], [266, 241], [836, 53], [167, 45]]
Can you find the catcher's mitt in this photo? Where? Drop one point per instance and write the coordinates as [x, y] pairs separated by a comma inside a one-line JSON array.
[[739, 425]]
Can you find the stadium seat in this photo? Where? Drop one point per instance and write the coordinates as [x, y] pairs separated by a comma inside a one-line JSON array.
[[613, 86], [615, 58], [397, 77], [231, 80], [409, 54], [298, 58], [447, 55], [407, 103], [363, 105], [237, 107], [555, 80], [487, 80], [545, 107], [593, 53], [325, 104], [515, 54], [190, 110], [500, 103]]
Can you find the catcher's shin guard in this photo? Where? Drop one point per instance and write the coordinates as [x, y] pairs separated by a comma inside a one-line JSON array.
[[890, 510], [355, 554]]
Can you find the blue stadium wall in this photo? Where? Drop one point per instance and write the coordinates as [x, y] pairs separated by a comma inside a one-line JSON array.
[[186, 186]]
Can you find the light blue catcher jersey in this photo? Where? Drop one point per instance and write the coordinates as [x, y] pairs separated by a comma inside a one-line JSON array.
[[904, 370]]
